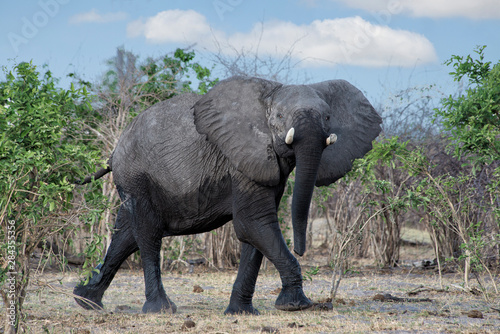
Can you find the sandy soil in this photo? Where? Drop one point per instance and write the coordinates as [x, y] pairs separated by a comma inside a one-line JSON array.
[[363, 305]]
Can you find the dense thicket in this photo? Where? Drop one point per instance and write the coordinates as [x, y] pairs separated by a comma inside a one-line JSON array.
[[43, 148]]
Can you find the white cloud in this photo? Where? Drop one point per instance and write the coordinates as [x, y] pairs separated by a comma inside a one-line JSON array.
[[351, 40], [95, 17], [176, 26], [473, 9]]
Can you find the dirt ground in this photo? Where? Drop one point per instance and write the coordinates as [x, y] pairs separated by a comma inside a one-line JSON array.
[[363, 304]]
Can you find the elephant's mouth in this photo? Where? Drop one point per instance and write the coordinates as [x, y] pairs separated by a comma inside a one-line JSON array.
[[289, 138]]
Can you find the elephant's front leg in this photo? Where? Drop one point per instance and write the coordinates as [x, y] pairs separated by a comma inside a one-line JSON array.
[[255, 222], [292, 297], [244, 286]]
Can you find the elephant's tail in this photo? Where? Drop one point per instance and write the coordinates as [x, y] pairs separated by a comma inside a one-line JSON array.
[[97, 175]]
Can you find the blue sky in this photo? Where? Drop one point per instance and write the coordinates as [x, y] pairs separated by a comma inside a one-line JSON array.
[[381, 46]]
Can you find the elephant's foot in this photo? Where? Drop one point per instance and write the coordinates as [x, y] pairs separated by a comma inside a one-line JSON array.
[[292, 299], [235, 308], [159, 306], [87, 299]]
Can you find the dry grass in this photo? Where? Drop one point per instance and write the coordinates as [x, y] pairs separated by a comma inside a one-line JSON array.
[[53, 311]]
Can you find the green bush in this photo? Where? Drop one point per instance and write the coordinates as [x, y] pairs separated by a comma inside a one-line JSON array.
[[473, 119], [42, 151]]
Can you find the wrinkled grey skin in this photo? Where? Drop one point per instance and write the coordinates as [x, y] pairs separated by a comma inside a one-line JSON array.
[[192, 163]]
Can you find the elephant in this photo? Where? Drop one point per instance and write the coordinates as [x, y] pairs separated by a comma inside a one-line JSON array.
[[192, 163]]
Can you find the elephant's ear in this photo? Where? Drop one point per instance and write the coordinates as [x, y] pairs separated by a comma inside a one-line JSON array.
[[233, 117], [356, 124]]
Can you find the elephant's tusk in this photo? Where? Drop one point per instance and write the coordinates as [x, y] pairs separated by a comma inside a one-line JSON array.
[[331, 139], [289, 136]]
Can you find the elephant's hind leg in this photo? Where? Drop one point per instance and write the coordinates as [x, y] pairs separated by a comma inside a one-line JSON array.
[[122, 245], [244, 286], [149, 236]]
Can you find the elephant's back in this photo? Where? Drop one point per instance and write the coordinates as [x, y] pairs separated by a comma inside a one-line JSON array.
[[161, 148], [172, 118], [153, 135]]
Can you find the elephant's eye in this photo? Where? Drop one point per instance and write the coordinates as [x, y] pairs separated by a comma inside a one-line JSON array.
[[280, 115], [327, 118]]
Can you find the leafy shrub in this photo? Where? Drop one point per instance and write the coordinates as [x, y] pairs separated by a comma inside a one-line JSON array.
[[42, 150]]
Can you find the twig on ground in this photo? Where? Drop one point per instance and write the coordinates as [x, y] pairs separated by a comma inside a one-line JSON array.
[[387, 297], [472, 290], [421, 288]]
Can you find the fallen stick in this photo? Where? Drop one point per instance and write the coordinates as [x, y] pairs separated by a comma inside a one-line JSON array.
[[386, 297]]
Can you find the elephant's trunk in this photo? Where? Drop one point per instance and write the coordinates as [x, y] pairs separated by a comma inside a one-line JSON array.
[[308, 153]]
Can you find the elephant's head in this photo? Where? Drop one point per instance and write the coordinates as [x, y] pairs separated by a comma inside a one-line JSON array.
[[321, 127]]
